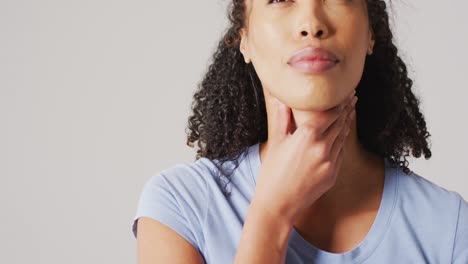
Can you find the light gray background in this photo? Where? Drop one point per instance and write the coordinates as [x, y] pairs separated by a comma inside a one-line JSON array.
[[95, 95]]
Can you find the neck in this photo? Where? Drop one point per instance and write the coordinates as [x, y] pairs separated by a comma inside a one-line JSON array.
[[360, 176]]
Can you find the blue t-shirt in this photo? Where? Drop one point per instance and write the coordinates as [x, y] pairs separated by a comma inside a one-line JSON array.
[[417, 221]]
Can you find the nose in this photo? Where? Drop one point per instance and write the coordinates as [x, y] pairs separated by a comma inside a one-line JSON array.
[[316, 33], [313, 21]]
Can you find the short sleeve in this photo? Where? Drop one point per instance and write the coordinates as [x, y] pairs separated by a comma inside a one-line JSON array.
[[166, 200], [460, 250]]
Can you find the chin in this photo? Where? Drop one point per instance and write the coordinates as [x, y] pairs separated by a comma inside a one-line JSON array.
[[311, 106], [315, 103]]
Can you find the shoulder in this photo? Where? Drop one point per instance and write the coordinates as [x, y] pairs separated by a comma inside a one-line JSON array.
[[191, 183], [445, 209], [177, 197], [208, 175], [424, 204], [184, 185], [436, 215], [189, 176], [414, 188]]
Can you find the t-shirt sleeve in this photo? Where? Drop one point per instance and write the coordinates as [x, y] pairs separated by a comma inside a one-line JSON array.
[[460, 250], [171, 201]]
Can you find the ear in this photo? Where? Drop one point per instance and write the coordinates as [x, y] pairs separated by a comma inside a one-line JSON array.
[[243, 47]]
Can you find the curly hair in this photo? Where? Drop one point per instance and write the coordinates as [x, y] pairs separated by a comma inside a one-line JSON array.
[[229, 112]]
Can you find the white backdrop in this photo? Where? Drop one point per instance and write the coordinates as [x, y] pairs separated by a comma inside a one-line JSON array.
[[95, 95]]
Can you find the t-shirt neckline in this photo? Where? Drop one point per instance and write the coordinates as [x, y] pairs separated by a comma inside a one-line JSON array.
[[375, 235]]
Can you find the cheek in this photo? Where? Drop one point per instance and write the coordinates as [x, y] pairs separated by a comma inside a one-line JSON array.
[[267, 40], [267, 50], [355, 44], [306, 92]]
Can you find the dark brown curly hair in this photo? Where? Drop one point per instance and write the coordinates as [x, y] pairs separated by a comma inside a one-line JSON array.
[[229, 112]]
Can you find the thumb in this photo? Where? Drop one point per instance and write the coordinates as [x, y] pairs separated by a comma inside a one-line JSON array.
[[281, 120]]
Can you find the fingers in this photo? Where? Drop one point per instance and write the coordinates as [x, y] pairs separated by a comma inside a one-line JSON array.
[[321, 121], [337, 146], [339, 159], [284, 118], [336, 113], [334, 130], [281, 126]]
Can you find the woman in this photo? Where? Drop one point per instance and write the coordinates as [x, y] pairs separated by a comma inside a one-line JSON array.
[[291, 167]]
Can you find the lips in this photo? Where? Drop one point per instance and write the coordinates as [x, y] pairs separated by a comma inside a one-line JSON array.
[[313, 53], [313, 60]]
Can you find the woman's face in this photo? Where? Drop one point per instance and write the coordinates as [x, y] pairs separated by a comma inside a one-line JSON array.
[[274, 33]]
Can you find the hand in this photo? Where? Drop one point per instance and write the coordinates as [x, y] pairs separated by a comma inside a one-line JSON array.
[[299, 167]]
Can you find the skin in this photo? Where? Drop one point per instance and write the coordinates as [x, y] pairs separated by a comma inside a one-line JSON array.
[[272, 34], [157, 243]]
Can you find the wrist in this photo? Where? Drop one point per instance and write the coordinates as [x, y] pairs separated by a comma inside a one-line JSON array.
[[283, 215]]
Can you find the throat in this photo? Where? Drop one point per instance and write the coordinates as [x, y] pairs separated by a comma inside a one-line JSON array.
[[339, 223], [339, 235]]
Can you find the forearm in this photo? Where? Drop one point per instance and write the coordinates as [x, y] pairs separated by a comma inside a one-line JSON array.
[[264, 237]]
